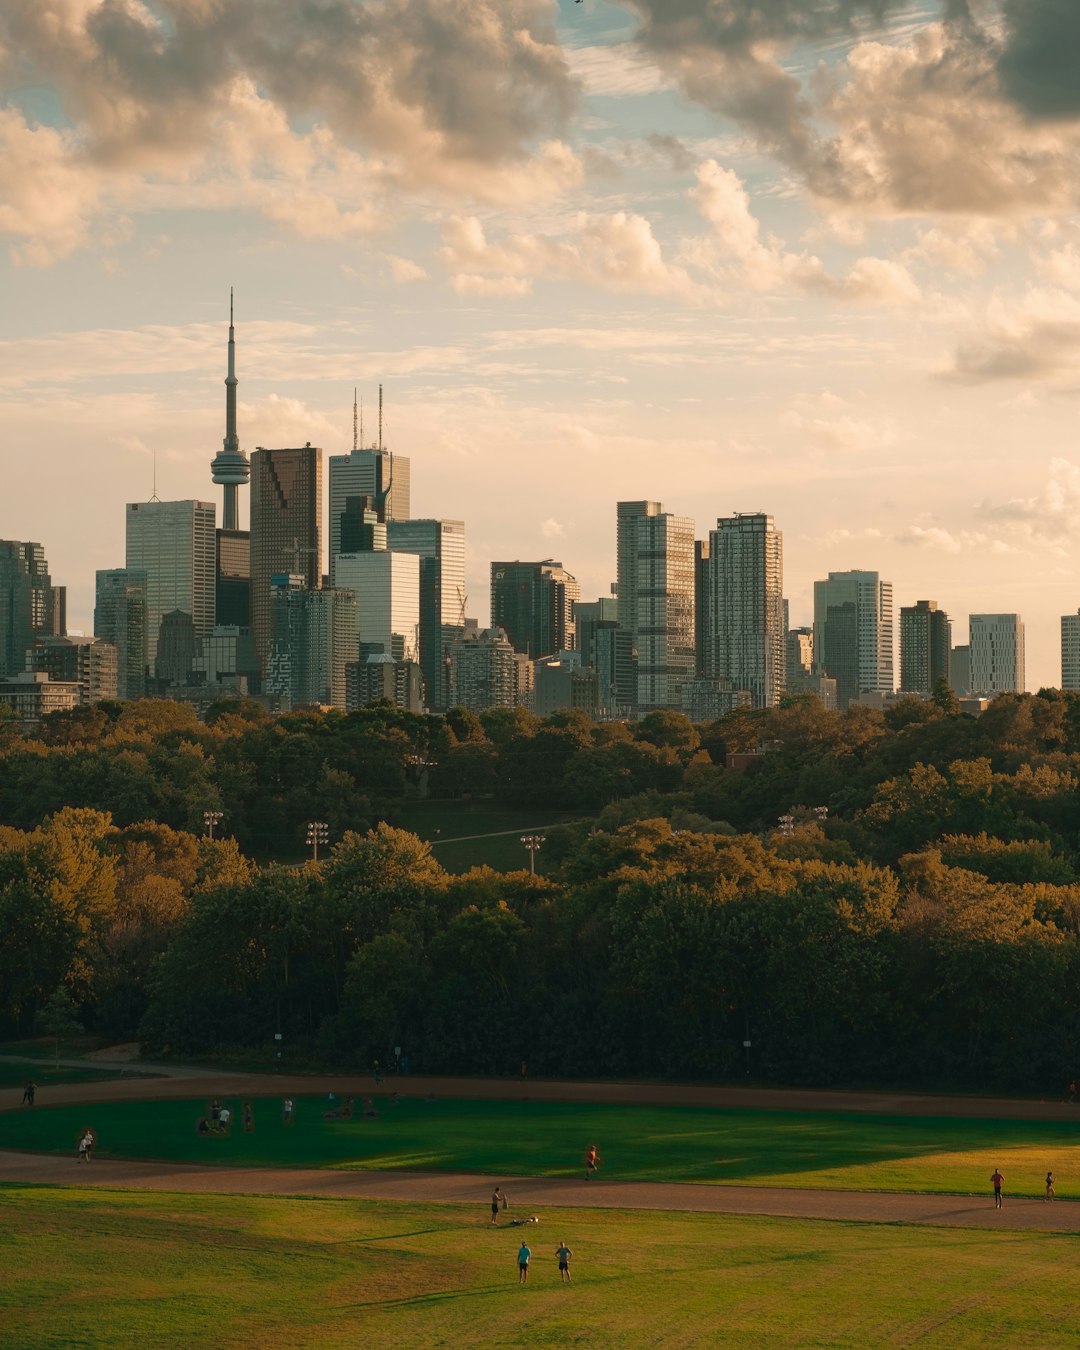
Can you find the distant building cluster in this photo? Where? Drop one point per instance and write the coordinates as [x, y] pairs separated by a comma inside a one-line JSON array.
[[201, 611]]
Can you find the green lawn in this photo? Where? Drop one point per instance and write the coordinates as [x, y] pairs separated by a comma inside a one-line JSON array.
[[442, 823], [109, 1268], [846, 1152]]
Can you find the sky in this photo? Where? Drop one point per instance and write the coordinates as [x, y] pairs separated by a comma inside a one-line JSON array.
[[819, 258]]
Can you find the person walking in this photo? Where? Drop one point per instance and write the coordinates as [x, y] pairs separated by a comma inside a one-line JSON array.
[[29, 1088], [1049, 1187], [997, 1180], [498, 1201], [563, 1252], [592, 1162], [86, 1145], [524, 1257]]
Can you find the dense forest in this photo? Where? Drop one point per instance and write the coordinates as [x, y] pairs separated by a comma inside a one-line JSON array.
[[915, 919]]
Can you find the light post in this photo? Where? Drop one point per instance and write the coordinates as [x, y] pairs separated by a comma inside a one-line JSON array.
[[210, 819], [533, 843], [787, 826], [318, 832], [820, 814]]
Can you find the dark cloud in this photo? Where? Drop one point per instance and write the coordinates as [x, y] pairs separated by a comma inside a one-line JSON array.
[[1040, 62], [1042, 350], [671, 150]]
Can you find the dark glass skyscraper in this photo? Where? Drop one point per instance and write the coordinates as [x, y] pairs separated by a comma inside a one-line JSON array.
[[286, 529], [26, 602], [533, 603]]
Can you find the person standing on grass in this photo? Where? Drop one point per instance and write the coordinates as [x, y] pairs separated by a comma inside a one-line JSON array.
[[1049, 1186], [997, 1180], [497, 1200], [524, 1257], [29, 1088], [563, 1252]]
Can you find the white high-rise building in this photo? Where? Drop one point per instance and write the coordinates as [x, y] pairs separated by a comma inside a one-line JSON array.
[[1070, 651], [175, 544], [370, 473], [655, 559], [997, 653], [854, 634], [387, 589], [743, 627]]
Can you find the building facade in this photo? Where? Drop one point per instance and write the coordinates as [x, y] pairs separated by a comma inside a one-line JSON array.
[[175, 545], [286, 530], [656, 584], [120, 618], [28, 602], [997, 654], [387, 589], [534, 604], [382, 679], [486, 672], [372, 473], [315, 638], [925, 647], [1070, 651], [742, 629], [91, 663], [853, 633], [440, 546]]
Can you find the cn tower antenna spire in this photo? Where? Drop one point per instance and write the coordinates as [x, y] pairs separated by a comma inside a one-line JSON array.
[[230, 466]]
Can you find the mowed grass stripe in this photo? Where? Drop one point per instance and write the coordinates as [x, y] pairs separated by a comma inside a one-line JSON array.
[[98, 1269], [646, 1143]]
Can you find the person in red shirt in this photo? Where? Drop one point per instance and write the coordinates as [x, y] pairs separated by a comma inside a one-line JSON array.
[[997, 1180], [592, 1161]]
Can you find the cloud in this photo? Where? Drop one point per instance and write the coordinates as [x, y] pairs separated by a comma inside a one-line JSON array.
[[1034, 339], [616, 252], [324, 105], [961, 117], [404, 270], [736, 253], [1037, 64], [551, 529], [826, 423], [1050, 513]]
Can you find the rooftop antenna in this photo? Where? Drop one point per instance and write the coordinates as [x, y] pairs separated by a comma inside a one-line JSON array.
[[153, 496], [380, 416], [355, 444]]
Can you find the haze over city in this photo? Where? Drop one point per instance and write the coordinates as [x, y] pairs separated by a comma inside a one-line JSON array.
[[821, 262]]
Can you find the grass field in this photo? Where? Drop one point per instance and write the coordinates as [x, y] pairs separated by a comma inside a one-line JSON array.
[[108, 1268], [445, 823], [833, 1152]]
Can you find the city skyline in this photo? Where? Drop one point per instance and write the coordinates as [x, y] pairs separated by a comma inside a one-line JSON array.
[[607, 279]]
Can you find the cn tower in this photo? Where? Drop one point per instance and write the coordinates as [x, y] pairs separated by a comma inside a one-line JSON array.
[[230, 465]]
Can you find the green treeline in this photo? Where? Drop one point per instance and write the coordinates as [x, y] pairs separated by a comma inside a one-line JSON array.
[[927, 931]]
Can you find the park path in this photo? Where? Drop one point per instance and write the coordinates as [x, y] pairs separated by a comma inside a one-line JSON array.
[[190, 1081], [529, 1194]]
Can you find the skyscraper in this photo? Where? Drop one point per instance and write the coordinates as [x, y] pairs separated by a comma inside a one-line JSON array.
[[1070, 651], [89, 661], [374, 473], [387, 589], [743, 625], [26, 602], [925, 647], [120, 618], [314, 639], [655, 558], [440, 545], [286, 529], [174, 543], [997, 654], [534, 604], [853, 633]]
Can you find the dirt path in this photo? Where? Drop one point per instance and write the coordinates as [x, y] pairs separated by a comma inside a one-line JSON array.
[[529, 1194], [190, 1082]]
